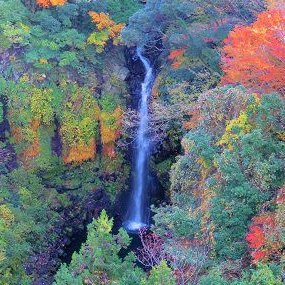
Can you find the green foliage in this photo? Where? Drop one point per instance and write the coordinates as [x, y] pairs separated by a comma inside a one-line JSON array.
[[162, 170], [99, 39], [109, 102], [240, 195], [160, 274], [213, 278], [42, 106], [99, 259], [262, 275], [1, 112], [217, 189], [120, 10], [26, 216], [13, 24], [79, 119]]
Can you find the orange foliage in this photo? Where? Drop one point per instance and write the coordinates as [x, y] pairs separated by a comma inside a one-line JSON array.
[[48, 3], [155, 88], [194, 121], [176, 53], [110, 133], [16, 133], [32, 150], [101, 20], [176, 56], [116, 30], [109, 150], [255, 55], [80, 153], [107, 29]]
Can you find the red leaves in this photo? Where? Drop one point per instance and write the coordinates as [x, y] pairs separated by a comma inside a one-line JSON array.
[[176, 56], [258, 255], [176, 53], [263, 237], [255, 55], [255, 237]]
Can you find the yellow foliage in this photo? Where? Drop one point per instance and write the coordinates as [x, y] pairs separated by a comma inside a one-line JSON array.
[[41, 106], [205, 168], [281, 136], [118, 115], [25, 77], [57, 2], [234, 129], [25, 28], [7, 215], [43, 61], [2, 255], [109, 133]]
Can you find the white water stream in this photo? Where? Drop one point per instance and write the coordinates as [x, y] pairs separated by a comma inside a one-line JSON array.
[[137, 217]]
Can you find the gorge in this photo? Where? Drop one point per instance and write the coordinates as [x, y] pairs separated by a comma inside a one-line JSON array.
[[142, 142]]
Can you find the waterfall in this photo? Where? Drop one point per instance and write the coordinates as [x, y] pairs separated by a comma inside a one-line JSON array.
[[137, 217]]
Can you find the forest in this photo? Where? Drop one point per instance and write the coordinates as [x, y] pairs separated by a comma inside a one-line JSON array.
[[142, 142]]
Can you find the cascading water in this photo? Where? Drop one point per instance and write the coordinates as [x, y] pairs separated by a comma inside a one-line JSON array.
[[137, 216]]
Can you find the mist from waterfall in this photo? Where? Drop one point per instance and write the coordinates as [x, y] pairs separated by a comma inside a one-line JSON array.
[[137, 217]]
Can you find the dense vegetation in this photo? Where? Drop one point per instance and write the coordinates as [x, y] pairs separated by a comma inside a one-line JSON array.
[[217, 126]]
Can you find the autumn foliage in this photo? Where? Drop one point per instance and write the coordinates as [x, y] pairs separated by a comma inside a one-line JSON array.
[[255, 55], [80, 152], [265, 233], [256, 237], [176, 56], [110, 131], [31, 149], [48, 3], [106, 29]]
